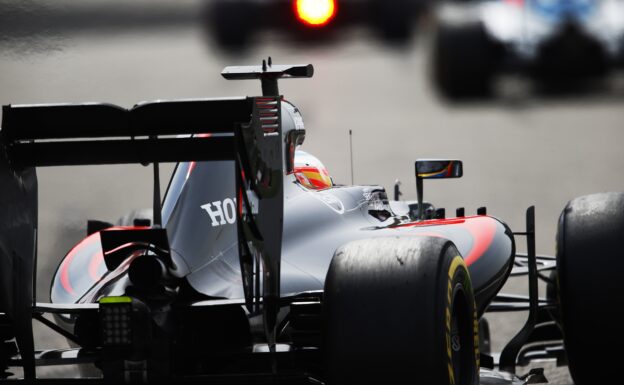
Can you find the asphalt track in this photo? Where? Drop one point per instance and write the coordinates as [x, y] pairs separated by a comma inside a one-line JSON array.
[[519, 150]]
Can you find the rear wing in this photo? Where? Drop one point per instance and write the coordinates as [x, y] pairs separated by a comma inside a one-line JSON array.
[[84, 134], [246, 130], [88, 134]]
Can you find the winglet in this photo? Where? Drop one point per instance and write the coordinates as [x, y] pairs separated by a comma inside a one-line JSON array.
[[268, 74]]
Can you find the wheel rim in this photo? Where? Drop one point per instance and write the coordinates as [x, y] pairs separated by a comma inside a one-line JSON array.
[[462, 340]]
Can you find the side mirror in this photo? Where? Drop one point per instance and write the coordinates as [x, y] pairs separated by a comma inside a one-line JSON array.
[[439, 169], [434, 169]]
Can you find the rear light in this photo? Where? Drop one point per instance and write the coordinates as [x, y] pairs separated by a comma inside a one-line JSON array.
[[116, 321], [316, 13]]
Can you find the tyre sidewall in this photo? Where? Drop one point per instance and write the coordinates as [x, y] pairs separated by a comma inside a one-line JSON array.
[[385, 312]]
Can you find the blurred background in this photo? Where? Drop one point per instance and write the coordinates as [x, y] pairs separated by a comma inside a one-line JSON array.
[[528, 95]]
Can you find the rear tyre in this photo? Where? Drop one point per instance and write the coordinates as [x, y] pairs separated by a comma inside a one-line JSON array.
[[398, 311], [464, 61], [590, 262]]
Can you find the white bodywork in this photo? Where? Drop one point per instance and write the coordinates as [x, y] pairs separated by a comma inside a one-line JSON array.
[[522, 25]]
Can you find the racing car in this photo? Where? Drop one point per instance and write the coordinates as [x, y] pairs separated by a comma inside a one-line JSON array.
[[561, 44], [256, 268], [234, 23]]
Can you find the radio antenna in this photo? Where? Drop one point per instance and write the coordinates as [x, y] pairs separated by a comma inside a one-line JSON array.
[[351, 152]]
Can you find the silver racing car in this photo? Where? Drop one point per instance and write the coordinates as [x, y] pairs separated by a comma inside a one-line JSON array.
[[257, 269]]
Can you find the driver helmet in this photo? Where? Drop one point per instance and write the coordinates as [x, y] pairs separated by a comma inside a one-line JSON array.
[[310, 172]]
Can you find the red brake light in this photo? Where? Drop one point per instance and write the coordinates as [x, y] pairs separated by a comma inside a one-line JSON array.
[[315, 12]]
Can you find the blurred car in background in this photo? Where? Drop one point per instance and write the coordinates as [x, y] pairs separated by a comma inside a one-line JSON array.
[[234, 23], [559, 43]]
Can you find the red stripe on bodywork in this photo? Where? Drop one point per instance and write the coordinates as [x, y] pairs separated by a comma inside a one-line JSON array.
[[64, 269], [96, 259], [65, 274], [93, 294], [191, 167], [481, 228], [94, 265]]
